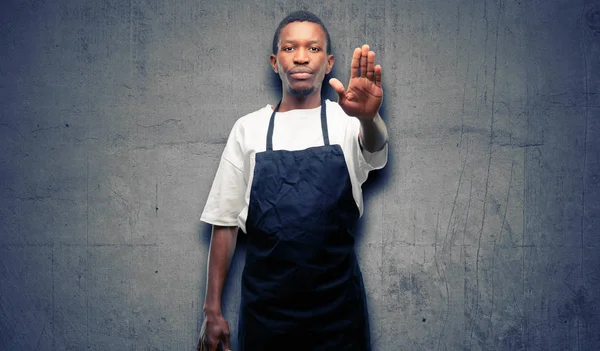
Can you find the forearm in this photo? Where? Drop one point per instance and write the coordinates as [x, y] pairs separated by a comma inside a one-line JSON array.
[[373, 134], [222, 246]]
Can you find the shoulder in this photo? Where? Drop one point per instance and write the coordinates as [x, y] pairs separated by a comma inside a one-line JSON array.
[[254, 117], [246, 131], [250, 123]]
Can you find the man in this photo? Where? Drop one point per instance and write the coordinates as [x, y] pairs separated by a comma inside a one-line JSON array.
[[290, 178]]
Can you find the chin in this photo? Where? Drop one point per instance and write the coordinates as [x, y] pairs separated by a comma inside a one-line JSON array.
[[301, 91]]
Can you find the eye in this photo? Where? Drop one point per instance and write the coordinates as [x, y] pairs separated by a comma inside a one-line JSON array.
[[287, 48], [315, 49]]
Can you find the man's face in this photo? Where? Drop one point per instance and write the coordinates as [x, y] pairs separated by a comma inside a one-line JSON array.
[[302, 59]]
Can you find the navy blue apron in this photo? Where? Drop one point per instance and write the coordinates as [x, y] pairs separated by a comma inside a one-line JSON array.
[[301, 286]]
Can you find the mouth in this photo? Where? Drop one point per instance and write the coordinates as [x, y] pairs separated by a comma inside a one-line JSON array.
[[300, 74]]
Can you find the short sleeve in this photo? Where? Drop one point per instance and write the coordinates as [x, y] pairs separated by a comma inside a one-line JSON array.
[[374, 160], [226, 197]]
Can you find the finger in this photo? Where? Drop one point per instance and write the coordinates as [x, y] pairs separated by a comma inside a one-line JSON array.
[[338, 87], [202, 341], [355, 63], [377, 71], [363, 60], [370, 65], [226, 342]]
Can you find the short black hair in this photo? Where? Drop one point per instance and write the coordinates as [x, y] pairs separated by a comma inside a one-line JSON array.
[[300, 16]]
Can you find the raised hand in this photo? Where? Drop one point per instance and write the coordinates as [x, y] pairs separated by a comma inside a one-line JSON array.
[[364, 95]]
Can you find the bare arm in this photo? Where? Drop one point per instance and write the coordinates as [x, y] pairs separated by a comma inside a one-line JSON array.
[[222, 246], [214, 327], [373, 134]]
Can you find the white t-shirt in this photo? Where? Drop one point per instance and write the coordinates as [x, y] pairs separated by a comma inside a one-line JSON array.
[[227, 203]]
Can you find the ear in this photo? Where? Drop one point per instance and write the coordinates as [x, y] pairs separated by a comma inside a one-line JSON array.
[[330, 62], [274, 63]]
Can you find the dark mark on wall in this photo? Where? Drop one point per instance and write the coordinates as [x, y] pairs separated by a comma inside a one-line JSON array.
[[161, 124], [576, 308], [592, 16], [156, 200], [43, 129], [12, 128], [220, 141]]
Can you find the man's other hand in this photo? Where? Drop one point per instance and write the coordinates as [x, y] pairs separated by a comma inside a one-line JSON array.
[[214, 329]]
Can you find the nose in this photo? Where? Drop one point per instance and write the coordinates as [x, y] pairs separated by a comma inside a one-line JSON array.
[[301, 56]]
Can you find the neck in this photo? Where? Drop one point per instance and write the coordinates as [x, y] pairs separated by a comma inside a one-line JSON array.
[[291, 102]]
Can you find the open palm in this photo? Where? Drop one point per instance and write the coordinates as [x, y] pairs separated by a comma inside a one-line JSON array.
[[364, 95]]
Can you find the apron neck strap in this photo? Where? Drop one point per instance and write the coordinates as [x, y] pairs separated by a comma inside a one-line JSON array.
[[323, 125]]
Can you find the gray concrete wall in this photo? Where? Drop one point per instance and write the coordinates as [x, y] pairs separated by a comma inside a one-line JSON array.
[[481, 233]]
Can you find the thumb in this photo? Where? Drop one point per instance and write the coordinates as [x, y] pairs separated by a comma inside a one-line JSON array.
[[338, 87]]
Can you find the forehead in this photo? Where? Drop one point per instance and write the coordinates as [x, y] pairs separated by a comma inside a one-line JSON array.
[[302, 31]]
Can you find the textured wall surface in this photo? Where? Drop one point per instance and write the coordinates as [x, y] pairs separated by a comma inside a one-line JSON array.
[[481, 233]]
